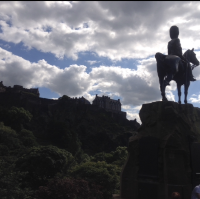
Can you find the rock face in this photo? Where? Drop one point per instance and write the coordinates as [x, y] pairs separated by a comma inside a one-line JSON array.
[[163, 155]]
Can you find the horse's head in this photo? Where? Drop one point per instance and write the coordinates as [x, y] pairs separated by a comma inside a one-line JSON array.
[[191, 57]]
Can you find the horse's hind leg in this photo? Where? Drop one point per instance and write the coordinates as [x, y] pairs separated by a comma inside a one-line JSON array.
[[161, 83], [162, 88], [164, 83], [186, 86], [179, 92]]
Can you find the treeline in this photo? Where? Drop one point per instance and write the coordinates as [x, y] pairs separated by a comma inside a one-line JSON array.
[[66, 153]]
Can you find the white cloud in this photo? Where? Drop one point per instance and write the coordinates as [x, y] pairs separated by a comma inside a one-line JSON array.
[[72, 80], [114, 30], [91, 62], [132, 112], [132, 116], [170, 96], [131, 85], [195, 99]]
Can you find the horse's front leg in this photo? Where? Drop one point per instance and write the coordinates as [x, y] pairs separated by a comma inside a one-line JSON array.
[[186, 86], [179, 92]]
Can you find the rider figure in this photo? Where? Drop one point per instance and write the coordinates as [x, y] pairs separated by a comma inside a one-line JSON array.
[[174, 48]]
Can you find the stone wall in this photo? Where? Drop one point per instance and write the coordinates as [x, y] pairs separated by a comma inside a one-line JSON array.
[[162, 156]]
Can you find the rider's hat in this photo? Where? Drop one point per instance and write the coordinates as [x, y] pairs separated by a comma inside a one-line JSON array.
[[174, 32]]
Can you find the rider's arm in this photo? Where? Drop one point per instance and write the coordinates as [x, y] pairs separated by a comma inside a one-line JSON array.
[[168, 48], [179, 50]]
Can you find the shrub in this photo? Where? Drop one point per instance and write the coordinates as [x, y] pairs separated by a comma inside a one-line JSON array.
[[117, 157], [68, 188], [43, 163], [100, 173], [9, 138]]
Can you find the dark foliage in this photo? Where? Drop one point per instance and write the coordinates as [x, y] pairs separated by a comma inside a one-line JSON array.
[[42, 144], [60, 135], [15, 117], [100, 173], [69, 189], [43, 163]]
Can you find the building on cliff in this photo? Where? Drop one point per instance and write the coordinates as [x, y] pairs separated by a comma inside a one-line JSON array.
[[107, 103], [32, 96], [110, 105], [81, 100], [19, 89]]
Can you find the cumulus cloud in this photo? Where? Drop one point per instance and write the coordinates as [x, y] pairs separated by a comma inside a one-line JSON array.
[[195, 99], [132, 112], [72, 80], [114, 30], [133, 116], [133, 86], [170, 96], [91, 62]]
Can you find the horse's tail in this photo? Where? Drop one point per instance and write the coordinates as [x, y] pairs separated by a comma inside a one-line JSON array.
[[159, 57], [160, 63]]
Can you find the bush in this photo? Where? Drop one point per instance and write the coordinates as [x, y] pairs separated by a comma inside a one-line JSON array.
[[16, 117], [8, 138], [43, 163], [100, 173], [60, 135], [27, 138], [117, 157], [68, 188], [10, 181]]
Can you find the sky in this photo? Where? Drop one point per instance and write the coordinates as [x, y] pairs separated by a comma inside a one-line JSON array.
[[88, 48]]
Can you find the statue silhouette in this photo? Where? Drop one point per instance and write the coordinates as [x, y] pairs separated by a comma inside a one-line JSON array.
[[174, 48], [175, 66]]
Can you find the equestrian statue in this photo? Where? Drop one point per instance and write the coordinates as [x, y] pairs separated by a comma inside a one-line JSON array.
[[176, 66]]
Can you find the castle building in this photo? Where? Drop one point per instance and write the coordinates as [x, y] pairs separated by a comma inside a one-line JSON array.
[[19, 89], [81, 100], [33, 96], [108, 104]]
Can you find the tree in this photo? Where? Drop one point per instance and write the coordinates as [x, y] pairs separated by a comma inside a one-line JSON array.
[[117, 157], [16, 117], [100, 173], [43, 163], [27, 138], [68, 188], [60, 135], [8, 139], [120, 156]]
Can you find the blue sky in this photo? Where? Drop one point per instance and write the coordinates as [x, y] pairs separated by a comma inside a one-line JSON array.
[[87, 48]]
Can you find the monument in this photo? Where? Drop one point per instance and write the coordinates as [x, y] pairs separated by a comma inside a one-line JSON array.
[[176, 66], [163, 156]]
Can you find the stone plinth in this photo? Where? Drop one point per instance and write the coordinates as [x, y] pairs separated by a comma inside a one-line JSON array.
[[160, 160]]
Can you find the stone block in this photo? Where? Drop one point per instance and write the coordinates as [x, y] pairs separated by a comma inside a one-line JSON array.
[[160, 158]]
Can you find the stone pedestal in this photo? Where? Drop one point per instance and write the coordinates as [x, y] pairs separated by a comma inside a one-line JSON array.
[[160, 160]]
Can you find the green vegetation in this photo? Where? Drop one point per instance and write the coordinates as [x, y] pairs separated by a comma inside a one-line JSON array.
[[101, 173], [60, 152]]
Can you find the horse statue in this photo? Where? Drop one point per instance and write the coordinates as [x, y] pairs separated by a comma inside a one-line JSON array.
[[170, 67]]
